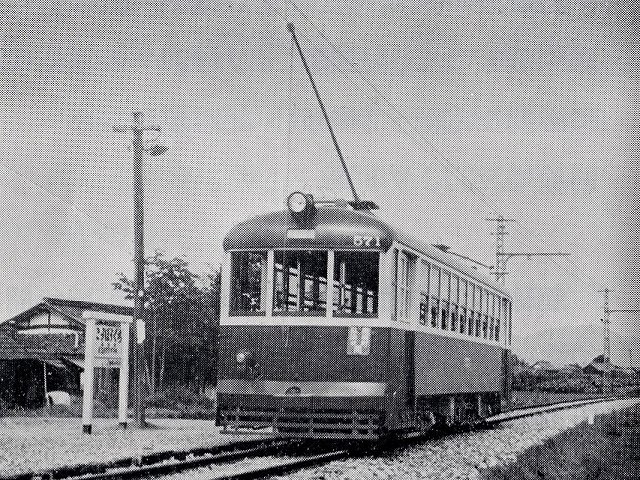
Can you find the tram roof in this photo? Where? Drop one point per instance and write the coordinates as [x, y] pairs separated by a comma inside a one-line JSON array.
[[335, 228]]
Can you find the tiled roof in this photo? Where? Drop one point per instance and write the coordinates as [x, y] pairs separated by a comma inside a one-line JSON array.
[[72, 309], [15, 345]]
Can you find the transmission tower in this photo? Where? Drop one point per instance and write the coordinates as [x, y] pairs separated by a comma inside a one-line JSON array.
[[606, 320], [500, 269], [607, 325]]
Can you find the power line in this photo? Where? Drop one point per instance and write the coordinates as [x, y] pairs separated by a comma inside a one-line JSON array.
[[52, 194], [415, 133], [500, 270], [465, 181]]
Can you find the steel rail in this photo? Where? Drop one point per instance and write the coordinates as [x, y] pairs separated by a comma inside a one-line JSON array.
[[165, 463]]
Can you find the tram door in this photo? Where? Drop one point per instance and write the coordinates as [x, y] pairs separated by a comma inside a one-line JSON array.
[[410, 370]]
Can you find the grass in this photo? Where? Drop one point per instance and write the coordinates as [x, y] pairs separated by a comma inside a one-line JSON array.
[[174, 403], [522, 399], [607, 449]]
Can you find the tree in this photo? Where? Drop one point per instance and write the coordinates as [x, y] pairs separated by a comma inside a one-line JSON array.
[[182, 314]]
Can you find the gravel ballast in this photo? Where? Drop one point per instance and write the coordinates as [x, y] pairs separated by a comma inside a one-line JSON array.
[[462, 456], [36, 443]]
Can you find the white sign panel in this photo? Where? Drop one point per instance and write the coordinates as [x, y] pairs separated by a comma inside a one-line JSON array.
[[106, 345], [108, 342]]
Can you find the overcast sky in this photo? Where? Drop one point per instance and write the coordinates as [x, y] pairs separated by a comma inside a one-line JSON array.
[[446, 112]]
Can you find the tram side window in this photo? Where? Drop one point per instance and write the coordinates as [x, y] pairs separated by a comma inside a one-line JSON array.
[[355, 284], [434, 292], [406, 268], [463, 306], [498, 317], [470, 308], [248, 283], [493, 317], [424, 308], [485, 316], [455, 285], [445, 291], [478, 310], [300, 282], [424, 293], [506, 314]]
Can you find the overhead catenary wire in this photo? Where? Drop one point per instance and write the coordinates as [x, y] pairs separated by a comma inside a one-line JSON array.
[[435, 154]]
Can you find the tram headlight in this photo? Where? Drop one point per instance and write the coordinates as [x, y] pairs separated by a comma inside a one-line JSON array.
[[297, 202], [301, 207], [241, 357]]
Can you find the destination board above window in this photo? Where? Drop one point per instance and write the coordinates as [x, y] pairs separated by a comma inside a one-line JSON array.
[[330, 229]]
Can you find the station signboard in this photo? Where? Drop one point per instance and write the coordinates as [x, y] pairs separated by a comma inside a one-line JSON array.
[[108, 348]]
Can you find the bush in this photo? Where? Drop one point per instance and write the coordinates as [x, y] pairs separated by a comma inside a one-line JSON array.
[[180, 402]]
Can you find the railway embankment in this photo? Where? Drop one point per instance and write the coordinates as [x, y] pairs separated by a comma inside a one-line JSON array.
[[470, 455], [607, 447]]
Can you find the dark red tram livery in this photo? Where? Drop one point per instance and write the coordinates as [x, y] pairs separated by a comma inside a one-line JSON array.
[[336, 325]]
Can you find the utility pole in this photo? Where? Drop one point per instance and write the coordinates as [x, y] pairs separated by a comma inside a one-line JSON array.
[[500, 269], [138, 130], [606, 320], [606, 380]]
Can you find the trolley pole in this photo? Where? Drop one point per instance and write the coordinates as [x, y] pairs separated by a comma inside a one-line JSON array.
[[138, 129]]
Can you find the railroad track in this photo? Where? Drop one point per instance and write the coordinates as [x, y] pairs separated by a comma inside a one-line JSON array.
[[252, 459]]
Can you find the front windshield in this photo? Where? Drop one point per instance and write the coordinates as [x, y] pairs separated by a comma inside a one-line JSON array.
[[300, 284]]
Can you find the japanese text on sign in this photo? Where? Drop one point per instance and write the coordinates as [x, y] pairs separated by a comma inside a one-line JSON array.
[[108, 341]]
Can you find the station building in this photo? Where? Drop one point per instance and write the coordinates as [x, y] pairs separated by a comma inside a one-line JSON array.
[[42, 351]]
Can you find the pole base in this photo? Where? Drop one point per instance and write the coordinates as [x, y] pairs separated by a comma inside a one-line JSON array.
[[86, 429], [123, 425]]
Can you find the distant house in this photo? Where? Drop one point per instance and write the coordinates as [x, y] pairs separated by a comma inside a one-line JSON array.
[[598, 368], [544, 367], [571, 370], [42, 350]]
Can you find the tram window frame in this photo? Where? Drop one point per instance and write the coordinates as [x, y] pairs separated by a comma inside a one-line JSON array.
[[499, 313], [492, 324], [236, 293], [434, 294], [509, 316], [445, 290], [478, 325], [444, 317], [455, 301], [365, 304], [485, 316], [423, 313], [507, 320], [471, 292], [405, 281], [424, 308], [453, 317], [319, 295], [463, 306]]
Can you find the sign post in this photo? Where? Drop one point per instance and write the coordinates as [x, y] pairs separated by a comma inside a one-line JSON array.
[[107, 346], [87, 394]]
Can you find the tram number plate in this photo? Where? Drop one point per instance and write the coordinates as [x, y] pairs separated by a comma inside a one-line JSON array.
[[366, 241]]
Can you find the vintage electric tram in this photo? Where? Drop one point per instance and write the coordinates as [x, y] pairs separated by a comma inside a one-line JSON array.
[[334, 324]]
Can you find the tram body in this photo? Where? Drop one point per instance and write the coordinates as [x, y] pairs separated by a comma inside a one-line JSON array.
[[412, 337]]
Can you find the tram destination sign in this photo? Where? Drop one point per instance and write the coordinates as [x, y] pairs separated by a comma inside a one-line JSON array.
[[340, 236]]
